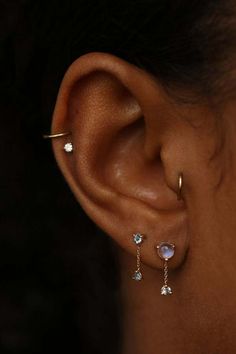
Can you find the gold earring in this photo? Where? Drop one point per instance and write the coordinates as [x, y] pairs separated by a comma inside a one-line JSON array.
[[68, 147], [180, 186], [165, 251], [138, 239], [56, 135]]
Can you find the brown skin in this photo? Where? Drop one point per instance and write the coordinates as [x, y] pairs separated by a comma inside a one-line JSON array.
[[131, 140]]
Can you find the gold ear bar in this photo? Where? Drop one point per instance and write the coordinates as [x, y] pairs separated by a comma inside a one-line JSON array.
[[57, 135]]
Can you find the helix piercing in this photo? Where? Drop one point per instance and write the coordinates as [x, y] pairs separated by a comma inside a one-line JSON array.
[[165, 251], [180, 186], [56, 135], [68, 147], [138, 239]]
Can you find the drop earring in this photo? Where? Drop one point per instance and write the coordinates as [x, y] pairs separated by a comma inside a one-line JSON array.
[[138, 239], [166, 251]]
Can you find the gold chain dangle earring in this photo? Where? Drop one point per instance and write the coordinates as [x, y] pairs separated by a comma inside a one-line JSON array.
[[138, 239], [165, 251]]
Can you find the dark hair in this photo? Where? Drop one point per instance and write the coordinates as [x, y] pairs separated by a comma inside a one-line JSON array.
[[59, 276]]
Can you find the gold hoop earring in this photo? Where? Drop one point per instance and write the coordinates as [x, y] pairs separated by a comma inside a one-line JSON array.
[[56, 135], [68, 147], [180, 186], [138, 240]]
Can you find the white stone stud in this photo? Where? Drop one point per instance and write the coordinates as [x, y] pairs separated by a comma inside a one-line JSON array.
[[68, 147]]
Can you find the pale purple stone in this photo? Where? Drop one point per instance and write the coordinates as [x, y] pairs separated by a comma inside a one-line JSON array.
[[166, 250]]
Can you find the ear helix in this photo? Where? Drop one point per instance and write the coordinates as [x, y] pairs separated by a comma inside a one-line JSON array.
[[68, 147]]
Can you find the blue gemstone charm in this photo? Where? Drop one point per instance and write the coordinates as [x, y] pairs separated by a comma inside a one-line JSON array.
[[138, 238]]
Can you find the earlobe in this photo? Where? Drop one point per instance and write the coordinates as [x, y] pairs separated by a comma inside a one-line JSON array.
[[117, 114]]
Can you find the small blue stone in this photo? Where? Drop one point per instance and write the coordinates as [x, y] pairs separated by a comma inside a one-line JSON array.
[[138, 238]]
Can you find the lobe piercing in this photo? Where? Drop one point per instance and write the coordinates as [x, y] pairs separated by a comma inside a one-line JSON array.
[[165, 251], [138, 239]]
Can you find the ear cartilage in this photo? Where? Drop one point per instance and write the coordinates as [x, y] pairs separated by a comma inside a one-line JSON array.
[[138, 239], [68, 147], [165, 251]]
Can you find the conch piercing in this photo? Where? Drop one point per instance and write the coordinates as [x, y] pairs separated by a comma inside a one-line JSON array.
[[138, 239], [68, 147], [165, 251], [180, 186]]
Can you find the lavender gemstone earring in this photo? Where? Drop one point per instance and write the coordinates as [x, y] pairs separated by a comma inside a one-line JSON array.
[[138, 239], [165, 251]]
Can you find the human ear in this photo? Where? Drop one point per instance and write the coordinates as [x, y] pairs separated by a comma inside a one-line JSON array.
[[120, 121]]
